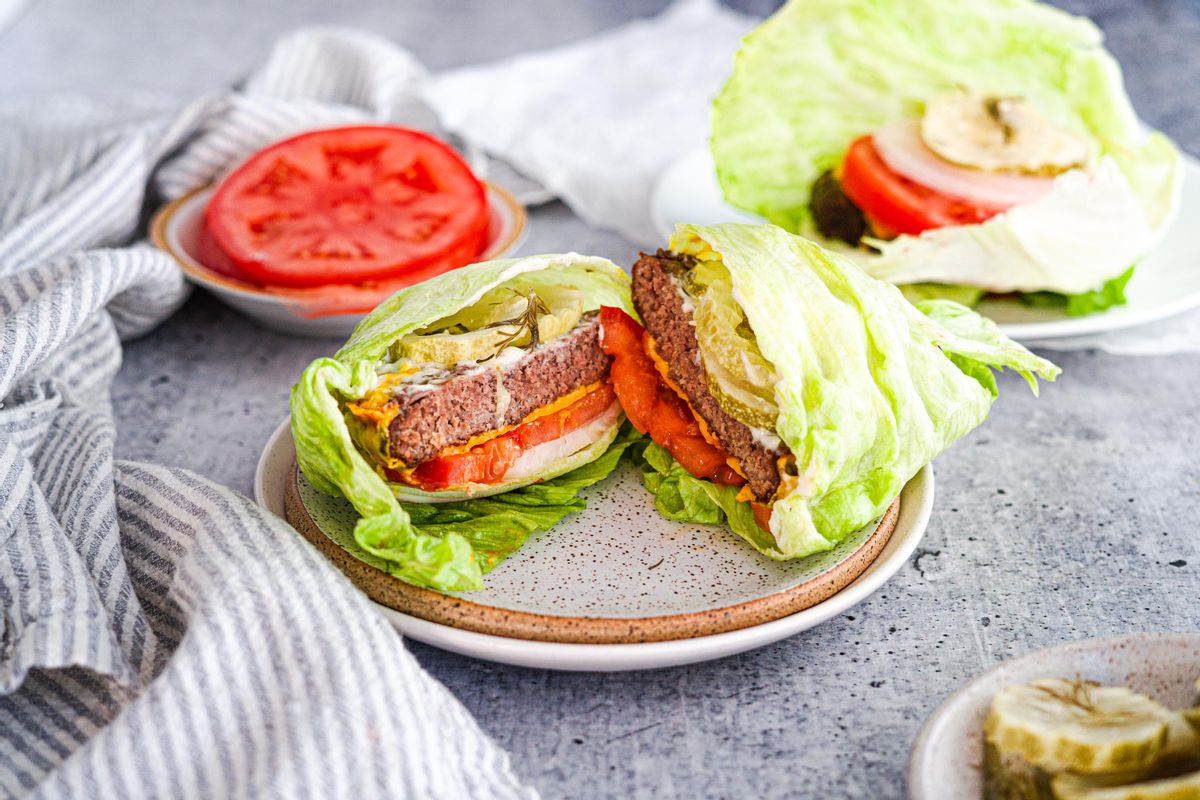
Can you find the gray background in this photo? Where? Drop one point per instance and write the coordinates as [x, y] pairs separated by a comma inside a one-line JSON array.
[[1068, 516]]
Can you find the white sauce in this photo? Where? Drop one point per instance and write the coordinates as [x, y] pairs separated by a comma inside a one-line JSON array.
[[765, 438]]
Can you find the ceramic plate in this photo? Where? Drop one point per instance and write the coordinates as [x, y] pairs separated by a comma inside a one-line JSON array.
[[699, 590], [949, 748], [176, 226], [1166, 283]]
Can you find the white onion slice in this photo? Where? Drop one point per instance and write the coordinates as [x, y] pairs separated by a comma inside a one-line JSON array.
[[901, 148], [537, 458]]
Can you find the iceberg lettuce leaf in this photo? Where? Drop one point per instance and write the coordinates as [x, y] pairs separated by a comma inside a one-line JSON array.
[[869, 387], [820, 73]]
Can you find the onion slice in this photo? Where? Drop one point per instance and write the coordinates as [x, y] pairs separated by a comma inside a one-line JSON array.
[[537, 458], [901, 148]]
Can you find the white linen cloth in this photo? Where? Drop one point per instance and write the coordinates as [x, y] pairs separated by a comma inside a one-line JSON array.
[[161, 636]]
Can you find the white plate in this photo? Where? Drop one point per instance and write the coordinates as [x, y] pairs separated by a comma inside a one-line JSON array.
[[1166, 283], [274, 471], [176, 229], [949, 748]]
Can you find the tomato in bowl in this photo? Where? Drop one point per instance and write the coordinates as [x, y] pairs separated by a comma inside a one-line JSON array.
[[312, 232]]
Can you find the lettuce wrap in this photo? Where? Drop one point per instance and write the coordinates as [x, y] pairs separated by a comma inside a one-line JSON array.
[[443, 545], [869, 388], [820, 73]]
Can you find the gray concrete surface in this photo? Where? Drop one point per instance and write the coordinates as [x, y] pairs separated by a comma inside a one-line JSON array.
[[1064, 517]]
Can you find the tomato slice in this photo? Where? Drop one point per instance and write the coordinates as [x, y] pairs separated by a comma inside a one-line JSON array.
[[350, 205], [896, 204], [486, 463], [762, 515], [653, 407]]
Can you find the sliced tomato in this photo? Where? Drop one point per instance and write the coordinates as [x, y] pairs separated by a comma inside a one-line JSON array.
[[653, 407], [486, 463], [762, 515], [553, 426], [896, 204], [350, 205]]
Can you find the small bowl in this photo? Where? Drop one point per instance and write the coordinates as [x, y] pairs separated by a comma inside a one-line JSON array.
[[176, 229], [949, 749]]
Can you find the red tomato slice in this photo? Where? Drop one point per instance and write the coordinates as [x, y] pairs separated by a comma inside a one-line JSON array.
[[653, 407], [349, 205], [762, 515], [896, 204], [487, 462]]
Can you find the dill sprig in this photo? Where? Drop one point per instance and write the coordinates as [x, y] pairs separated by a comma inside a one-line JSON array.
[[527, 320], [1078, 693]]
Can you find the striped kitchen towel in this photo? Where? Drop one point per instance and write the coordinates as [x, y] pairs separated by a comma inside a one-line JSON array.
[[161, 636]]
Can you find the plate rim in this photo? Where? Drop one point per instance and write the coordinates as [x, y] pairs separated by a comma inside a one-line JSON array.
[[920, 771], [464, 612], [1022, 331], [910, 530]]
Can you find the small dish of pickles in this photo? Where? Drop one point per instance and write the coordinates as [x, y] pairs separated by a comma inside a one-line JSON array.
[[1116, 718]]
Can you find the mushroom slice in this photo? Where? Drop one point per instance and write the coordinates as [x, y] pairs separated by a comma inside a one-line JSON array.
[[998, 134]]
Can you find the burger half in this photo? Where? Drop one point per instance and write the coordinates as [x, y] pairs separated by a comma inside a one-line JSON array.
[[786, 391], [474, 384]]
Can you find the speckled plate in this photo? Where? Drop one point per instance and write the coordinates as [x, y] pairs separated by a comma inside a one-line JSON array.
[[1166, 283], [949, 748], [617, 587]]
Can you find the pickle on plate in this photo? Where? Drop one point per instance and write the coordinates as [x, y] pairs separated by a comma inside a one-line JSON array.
[[1009, 777], [1076, 787], [1077, 726], [739, 376], [502, 318]]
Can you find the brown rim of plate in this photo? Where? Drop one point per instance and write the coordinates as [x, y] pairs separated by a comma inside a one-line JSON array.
[[458, 612], [162, 218]]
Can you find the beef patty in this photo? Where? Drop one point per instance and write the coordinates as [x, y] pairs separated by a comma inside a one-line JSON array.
[[657, 297], [468, 401]]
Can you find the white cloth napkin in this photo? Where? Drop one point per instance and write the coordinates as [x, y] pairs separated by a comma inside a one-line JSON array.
[[597, 121], [161, 636]]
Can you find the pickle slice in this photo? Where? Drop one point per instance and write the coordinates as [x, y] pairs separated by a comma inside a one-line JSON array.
[[744, 406], [473, 334], [1077, 726], [740, 378], [998, 134], [1010, 777], [1079, 787]]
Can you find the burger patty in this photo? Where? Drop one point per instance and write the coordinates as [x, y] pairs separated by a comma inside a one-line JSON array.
[[472, 400], [657, 297]]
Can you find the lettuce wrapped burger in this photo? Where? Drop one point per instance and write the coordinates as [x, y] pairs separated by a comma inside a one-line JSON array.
[[466, 412], [980, 147], [787, 392]]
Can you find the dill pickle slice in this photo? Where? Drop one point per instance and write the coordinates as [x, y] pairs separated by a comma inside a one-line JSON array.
[[739, 377], [740, 404], [1010, 777], [1077, 726], [1084, 787], [473, 334]]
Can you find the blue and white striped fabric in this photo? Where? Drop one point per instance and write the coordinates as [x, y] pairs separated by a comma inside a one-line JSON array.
[[161, 636]]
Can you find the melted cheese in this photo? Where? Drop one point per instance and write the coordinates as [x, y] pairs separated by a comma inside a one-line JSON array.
[[374, 407]]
